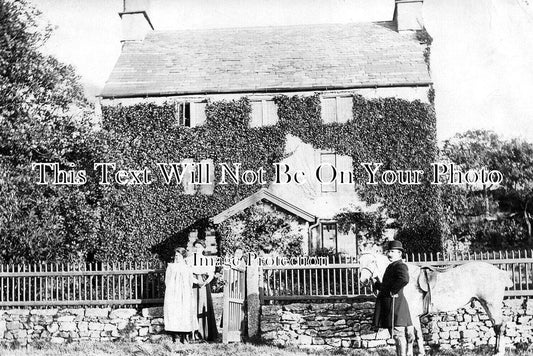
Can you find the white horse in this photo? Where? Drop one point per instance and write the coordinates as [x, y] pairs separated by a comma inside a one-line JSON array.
[[450, 290]]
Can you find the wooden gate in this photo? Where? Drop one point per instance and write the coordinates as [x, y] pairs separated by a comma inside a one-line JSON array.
[[234, 326]]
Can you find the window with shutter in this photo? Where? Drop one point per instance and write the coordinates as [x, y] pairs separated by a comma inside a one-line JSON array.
[[264, 113], [256, 119], [337, 109], [271, 117], [198, 113], [329, 110], [190, 114], [183, 114], [344, 108]]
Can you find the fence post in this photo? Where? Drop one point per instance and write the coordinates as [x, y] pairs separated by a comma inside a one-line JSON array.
[[261, 278], [252, 300], [226, 316]]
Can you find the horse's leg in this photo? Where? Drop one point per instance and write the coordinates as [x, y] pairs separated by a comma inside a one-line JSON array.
[[419, 335], [499, 328], [495, 314], [410, 338]]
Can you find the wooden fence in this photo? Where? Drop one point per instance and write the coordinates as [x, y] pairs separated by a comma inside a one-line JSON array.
[[143, 283], [318, 282], [340, 278], [81, 284], [436, 258]]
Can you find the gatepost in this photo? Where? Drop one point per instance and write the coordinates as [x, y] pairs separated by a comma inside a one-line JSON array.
[[252, 300]]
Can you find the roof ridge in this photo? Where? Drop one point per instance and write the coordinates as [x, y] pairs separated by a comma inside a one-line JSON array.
[[346, 24]]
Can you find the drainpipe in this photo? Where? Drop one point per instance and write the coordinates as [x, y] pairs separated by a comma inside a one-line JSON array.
[[310, 233]]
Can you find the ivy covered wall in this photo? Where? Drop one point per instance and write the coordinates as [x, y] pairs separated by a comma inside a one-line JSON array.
[[137, 221], [399, 134]]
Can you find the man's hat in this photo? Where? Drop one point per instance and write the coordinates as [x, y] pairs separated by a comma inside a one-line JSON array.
[[395, 245]]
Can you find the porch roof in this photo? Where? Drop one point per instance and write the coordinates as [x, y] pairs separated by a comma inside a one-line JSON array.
[[263, 194]]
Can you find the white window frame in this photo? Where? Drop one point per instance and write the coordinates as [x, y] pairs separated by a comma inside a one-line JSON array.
[[264, 111], [196, 117], [337, 98]]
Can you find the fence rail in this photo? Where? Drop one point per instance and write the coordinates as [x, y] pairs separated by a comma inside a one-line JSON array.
[[335, 280], [45, 284], [81, 284], [340, 278], [468, 256]]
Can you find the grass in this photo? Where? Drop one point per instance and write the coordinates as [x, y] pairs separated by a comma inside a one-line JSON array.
[[167, 348]]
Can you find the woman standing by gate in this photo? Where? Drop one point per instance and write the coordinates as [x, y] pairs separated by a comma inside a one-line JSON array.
[[179, 316], [202, 299]]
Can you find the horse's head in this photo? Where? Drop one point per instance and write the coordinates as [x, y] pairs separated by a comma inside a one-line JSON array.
[[368, 267]]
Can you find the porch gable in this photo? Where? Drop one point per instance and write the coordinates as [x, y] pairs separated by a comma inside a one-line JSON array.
[[262, 194]]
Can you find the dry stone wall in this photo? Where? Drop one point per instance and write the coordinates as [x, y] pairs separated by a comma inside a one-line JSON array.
[[62, 325], [320, 325], [349, 324]]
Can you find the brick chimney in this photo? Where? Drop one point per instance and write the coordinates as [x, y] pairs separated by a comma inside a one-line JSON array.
[[135, 20], [408, 15]]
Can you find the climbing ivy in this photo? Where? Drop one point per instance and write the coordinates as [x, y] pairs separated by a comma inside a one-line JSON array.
[[399, 134], [140, 220]]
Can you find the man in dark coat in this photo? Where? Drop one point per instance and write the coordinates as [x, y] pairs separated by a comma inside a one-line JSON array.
[[392, 311]]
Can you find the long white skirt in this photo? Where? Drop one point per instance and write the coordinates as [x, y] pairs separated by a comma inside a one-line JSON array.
[[178, 305]]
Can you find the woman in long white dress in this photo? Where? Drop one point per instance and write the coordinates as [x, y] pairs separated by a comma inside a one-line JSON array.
[[179, 306]]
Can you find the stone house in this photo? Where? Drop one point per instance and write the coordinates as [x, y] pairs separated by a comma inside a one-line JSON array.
[[189, 67]]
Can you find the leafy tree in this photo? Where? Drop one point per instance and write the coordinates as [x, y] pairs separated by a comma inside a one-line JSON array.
[[44, 117], [494, 217], [515, 161], [473, 150]]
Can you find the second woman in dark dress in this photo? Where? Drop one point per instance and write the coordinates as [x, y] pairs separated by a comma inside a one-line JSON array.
[[207, 328]]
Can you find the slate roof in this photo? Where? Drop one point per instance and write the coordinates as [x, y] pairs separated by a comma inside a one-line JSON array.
[[267, 59]]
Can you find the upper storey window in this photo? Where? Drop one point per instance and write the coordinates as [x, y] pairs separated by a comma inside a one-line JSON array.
[[336, 108], [264, 113], [190, 113]]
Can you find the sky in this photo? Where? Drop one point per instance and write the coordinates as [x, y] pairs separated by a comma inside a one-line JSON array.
[[481, 59]]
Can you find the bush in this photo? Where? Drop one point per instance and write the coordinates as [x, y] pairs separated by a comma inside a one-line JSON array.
[[259, 226], [504, 234]]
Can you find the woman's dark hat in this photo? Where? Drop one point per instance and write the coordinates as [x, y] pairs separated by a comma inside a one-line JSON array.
[[394, 245]]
